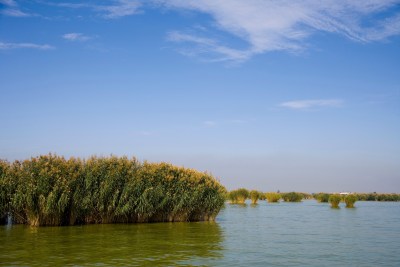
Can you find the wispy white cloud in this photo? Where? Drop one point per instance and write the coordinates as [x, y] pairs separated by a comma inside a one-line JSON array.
[[8, 46], [307, 104], [284, 25], [210, 123], [144, 133], [9, 3], [223, 123], [206, 47], [384, 29], [120, 8], [11, 12], [71, 5], [260, 26], [237, 121], [11, 9], [74, 36], [116, 8]]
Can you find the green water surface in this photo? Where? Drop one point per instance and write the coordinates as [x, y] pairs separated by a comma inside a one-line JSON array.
[[283, 234]]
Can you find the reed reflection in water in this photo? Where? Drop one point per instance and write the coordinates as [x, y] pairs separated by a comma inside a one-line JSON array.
[[158, 244], [267, 234]]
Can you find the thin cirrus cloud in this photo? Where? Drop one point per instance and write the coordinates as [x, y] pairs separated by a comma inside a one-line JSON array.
[[282, 25], [121, 8], [8, 46], [10, 3], [75, 36], [11, 9], [210, 123], [314, 103], [116, 9], [207, 48], [255, 26], [144, 133]]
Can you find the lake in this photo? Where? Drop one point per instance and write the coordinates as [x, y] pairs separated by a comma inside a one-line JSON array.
[[281, 234]]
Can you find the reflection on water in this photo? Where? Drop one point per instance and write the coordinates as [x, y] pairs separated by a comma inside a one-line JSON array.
[[279, 234], [158, 244]]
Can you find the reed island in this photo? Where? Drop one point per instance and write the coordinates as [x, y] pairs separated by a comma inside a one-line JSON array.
[[50, 190]]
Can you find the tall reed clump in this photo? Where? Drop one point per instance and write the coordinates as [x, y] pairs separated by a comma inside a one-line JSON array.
[[4, 191], [176, 194], [322, 197], [238, 196], [273, 197], [335, 200], [50, 190], [350, 200], [255, 196], [44, 189], [97, 194], [306, 196], [292, 197]]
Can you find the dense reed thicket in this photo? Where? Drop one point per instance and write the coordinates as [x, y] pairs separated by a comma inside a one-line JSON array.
[[51, 190], [322, 197], [292, 197], [350, 200], [4, 191], [273, 197], [335, 200], [238, 196], [377, 197], [255, 196]]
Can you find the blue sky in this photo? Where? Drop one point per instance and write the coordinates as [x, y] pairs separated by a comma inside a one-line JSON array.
[[271, 95]]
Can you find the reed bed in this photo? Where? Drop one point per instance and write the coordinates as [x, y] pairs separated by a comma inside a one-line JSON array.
[[52, 190], [335, 200], [273, 197], [322, 197], [293, 197], [4, 191], [255, 196], [377, 197], [350, 200], [238, 196]]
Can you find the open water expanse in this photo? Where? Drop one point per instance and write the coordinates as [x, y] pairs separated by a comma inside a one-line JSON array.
[[283, 234]]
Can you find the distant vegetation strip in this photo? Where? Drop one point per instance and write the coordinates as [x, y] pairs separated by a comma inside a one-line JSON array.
[[52, 190], [239, 196], [324, 197]]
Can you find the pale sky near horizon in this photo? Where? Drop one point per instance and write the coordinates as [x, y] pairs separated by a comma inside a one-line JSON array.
[[270, 95]]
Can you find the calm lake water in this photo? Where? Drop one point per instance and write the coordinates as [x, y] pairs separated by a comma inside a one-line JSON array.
[[283, 234]]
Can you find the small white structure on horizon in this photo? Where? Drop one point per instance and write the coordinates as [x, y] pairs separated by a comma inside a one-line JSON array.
[[344, 193]]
